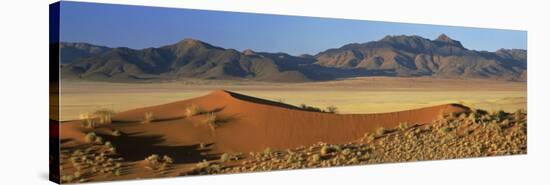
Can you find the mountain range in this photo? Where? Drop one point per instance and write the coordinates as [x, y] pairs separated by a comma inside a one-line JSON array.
[[395, 56]]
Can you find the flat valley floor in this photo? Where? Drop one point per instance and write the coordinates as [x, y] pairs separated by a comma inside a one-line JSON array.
[[360, 95]]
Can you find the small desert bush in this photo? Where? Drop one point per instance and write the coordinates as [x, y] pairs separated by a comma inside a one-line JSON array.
[[155, 161], [267, 151], [225, 157], [315, 157], [499, 115], [310, 108], [211, 120], [149, 117], [381, 131], [332, 109], [104, 115], [98, 140], [116, 133], [403, 126], [90, 137], [346, 151], [203, 164], [325, 150], [192, 110], [167, 159]]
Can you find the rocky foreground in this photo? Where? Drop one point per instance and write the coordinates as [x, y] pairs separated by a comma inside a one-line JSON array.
[[474, 134]]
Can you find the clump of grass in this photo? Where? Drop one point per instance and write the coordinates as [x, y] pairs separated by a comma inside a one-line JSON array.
[[310, 108], [499, 115], [104, 115], [315, 157], [225, 157], [325, 150], [203, 164], [403, 126], [369, 137], [116, 133], [67, 178], [211, 120], [90, 137], [267, 151], [332, 109], [445, 130], [202, 146], [149, 117], [381, 131], [346, 151], [167, 159], [98, 140], [118, 172], [192, 110], [156, 162]]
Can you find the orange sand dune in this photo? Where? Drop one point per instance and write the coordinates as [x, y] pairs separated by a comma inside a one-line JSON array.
[[252, 124]]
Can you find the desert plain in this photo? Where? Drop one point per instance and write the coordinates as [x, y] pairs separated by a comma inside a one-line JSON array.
[[114, 131]]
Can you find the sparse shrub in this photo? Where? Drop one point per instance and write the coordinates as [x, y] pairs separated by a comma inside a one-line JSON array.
[[381, 131], [77, 174], [518, 115], [499, 115], [203, 164], [336, 148], [346, 151], [153, 159], [192, 110], [149, 117], [67, 178], [445, 130], [403, 126], [90, 137], [332, 109], [211, 120], [98, 140], [167, 159], [267, 151], [225, 157], [315, 157], [89, 123], [104, 115], [116, 133], [325, 150], [310, 108], [369, 137], [473, 117], [202, 146]]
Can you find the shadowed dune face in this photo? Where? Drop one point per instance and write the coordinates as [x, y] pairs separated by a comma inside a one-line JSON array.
[[245, 123]]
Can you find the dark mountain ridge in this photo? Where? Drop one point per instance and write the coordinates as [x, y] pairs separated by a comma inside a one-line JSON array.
[[391, 56]]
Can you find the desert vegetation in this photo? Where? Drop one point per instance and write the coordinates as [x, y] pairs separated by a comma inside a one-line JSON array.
[[159, 164], [192, 110], [94, 159], [148, 118], [473, 134], [96, 118]]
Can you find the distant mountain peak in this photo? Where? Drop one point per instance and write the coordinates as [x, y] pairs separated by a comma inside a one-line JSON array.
[[191, 42], [443, 38], [249, 52]]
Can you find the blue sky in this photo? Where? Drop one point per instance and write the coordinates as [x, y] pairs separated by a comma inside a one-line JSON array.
[[141, 27]]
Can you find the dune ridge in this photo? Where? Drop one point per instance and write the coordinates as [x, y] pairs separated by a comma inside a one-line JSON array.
[[252, 124]]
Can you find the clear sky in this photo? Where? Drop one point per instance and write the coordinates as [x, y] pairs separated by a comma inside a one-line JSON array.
[[141, 27]]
